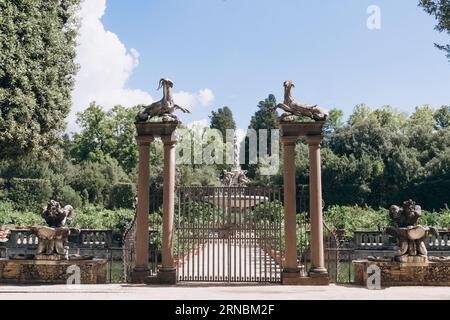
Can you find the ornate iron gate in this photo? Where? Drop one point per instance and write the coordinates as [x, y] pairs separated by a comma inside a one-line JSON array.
[[229, 234]]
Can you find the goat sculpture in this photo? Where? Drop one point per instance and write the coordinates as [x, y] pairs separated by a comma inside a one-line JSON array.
[[294, 108], [163, 108]]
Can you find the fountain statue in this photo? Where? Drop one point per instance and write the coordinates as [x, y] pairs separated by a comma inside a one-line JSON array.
[[52, 239], [236, 177], [410, 236], [410, 265], [235, 201], [52, 263]]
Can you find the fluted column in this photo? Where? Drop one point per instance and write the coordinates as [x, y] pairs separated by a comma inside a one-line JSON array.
[[141, 270], [315, 198], [290, 267]]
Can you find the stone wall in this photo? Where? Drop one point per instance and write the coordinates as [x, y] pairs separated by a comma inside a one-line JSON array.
[[51, 272], [393, 274]]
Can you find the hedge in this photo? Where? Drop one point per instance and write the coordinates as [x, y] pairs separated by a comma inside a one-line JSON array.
[[122, 195], [29, 194]]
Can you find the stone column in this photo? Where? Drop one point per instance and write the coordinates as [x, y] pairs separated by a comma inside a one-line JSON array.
[[141, 270], [290, 268], [315, 202], [167, 274]]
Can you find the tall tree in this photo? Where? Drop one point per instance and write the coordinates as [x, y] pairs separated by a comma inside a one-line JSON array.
[[222, 120], [37, 51], [441, 10], [265, 118]]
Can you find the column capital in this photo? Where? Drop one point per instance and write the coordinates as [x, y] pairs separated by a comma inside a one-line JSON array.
[[144, 140], [314, 140], [289, 140], [169, 140]]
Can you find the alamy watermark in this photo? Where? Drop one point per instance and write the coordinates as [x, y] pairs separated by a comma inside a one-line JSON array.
[[74, 279], [374, 277], [374, 19], [209, 146]]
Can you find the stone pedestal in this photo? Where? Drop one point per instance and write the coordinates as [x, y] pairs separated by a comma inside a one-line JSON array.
[[147, 132], [312, 133], [401, 274], [51, 272]]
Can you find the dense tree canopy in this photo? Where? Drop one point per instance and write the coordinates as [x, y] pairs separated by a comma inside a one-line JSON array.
[[37, 51], [380, 157]]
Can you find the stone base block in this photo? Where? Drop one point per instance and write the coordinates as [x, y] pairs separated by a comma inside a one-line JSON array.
[[294, 279], [51, 272], [164, 277], [402, 274], [51, 257], [139, 275], [412, 261]]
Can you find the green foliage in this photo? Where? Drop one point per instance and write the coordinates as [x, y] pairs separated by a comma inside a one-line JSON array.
[[440, 9], [36, 74], [442, 117], [334, 121], [265, 118], [10, 216], [201, 176], [96, 180], [222, 120], [356, 218], [380, 157], [106, 134], [29, 193], [92, 217], [67, 196], [122, 195]]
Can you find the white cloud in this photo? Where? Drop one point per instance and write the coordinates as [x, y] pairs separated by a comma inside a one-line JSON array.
[[106, 65], [203, 98]]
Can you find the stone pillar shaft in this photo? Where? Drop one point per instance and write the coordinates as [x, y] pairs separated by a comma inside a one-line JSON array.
[[168, 205], [143, 207], [315, 196], [290, 206]]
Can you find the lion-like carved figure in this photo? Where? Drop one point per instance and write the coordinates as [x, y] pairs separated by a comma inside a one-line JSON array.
[[410, 236]]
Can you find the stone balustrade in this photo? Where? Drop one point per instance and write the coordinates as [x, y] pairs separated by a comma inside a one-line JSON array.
[[376, 240], [91, 239]]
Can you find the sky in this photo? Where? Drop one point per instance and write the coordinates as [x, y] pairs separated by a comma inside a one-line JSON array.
[[236, 52]]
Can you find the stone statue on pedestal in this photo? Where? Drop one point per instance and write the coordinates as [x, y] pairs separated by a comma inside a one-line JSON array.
[[52, 239], [293, 108], [164, 108], [410, 236]]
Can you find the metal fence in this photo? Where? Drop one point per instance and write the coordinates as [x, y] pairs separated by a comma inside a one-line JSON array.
[[229, 234]]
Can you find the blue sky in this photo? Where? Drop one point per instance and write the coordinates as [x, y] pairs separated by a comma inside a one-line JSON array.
[[243, 50]]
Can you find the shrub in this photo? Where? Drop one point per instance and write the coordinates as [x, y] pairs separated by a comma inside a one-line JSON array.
[[92, 217], [3, 192], [30, 194], [356, 218], [66, 195], [122, 195], [96, 179], [10, 216], [444, 219]]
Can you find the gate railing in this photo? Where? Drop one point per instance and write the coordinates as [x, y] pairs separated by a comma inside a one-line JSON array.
[[229, 234]]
